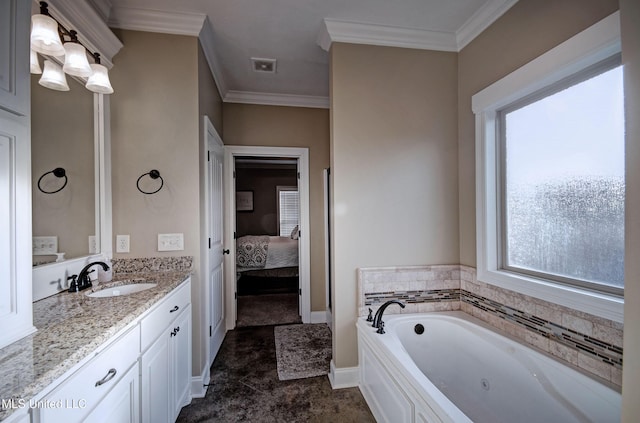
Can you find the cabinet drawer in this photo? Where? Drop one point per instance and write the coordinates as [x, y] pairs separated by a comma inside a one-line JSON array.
[[82, 392], [165, 313]]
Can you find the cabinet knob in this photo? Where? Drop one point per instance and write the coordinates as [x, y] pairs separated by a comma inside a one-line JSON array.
[[110, 375]]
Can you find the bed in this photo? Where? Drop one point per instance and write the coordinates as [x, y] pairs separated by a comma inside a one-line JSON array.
[[266, 264]]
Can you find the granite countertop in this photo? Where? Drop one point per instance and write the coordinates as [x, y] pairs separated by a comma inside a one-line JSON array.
[[70, 327]]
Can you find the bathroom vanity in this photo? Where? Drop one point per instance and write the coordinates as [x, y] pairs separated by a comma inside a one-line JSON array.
[[124, 358]]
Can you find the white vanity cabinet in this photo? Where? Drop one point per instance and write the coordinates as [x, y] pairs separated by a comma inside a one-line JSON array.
[[108, 382], [166, 357], [15, 173]]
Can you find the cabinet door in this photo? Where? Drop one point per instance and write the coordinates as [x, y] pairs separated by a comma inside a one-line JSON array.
[[14, 56], [15, 227], [181, 359], [121, 403], [156, 381]]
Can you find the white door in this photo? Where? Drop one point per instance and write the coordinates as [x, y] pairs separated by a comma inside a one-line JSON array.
[[214, 257]]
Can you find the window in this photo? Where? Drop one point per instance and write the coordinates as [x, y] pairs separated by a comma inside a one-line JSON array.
[[562, 180], [550, 175], [288, 209]]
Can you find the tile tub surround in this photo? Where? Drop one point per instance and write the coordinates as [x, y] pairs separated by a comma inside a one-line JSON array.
[[70, 327], [590, 343]]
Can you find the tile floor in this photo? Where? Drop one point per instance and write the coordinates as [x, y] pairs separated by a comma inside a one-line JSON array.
[[245, 388]]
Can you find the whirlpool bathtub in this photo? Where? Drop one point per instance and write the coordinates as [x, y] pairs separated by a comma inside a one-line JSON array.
[[450, 367]]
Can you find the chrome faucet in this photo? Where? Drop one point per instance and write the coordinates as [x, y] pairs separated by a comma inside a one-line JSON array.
[[83, 281], [377, 319]]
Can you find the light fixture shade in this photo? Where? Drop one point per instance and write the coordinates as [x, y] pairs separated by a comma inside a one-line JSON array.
[[34, 66], [44, 36], [53, 77], [98, 82], [75, 60]]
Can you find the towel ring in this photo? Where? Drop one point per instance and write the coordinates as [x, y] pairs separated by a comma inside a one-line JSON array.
[[58, 172], [153, 174]]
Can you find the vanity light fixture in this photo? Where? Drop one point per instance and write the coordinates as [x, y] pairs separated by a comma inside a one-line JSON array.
[[98, 82], [75, 57], [51, 39], [34, 64], [53, 77]]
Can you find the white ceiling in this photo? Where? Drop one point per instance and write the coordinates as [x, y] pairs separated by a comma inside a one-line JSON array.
[[298, 33]]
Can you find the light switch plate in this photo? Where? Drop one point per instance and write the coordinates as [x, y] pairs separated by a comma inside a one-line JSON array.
[[170, 242], [45, 245], [93, 244], [122, 243]]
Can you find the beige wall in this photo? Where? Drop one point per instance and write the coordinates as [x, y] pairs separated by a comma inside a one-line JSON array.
[[276, 126], [209, 99], [62, 136], [528, 29], [393, 166], [630, 21], [156, 124]]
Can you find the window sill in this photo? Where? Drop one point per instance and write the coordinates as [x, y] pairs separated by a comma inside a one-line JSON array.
[[598, 304]]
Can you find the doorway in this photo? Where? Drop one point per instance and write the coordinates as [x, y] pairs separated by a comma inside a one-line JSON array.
[[244, 204]]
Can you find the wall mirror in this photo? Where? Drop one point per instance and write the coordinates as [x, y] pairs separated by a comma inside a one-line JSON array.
[[64, 207], [80, 145]]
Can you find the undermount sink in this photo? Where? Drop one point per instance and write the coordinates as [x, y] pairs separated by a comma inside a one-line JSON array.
[[119, 290]]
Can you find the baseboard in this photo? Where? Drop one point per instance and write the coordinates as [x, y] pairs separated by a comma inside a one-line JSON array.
[[347, 377], [318, 317], [198, 383]]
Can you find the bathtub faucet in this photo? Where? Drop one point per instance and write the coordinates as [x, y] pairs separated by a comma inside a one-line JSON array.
[[377, 319]]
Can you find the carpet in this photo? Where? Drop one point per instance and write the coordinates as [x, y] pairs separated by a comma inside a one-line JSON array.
[[272, 309], [302, 351]]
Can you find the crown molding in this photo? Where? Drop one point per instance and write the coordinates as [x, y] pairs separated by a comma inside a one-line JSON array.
[[103, 7], [485, 16], [91, 28], [383, 35], [291, 100], [157, 21]]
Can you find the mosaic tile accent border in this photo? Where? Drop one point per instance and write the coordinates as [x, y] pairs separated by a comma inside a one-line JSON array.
[[582, 340], [412, 297], [608, 353]]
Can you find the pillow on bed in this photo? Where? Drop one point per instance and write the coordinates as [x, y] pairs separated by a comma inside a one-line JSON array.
[[294, 232]]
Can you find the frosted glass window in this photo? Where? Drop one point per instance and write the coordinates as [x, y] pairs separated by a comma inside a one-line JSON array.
[[288, 209], [563, 183]]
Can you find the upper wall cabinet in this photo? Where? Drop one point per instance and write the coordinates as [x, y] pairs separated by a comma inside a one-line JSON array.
[[14, 60], [15, 173]]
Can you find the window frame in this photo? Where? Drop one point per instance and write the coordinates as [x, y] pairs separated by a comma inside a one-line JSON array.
[[572, 58], [583, 75]]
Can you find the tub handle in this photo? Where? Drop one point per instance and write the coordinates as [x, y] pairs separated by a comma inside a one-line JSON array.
[[380, 328], [370, 317]]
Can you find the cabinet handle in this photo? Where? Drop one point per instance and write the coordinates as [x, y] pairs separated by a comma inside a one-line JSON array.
[[110, 375], [176, 330], [175, 308]]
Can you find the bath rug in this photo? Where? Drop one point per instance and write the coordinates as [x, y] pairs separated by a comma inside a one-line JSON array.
[[302, 351], [271, 309]]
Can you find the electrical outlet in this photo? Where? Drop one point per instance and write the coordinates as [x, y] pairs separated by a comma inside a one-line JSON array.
[[170, 242], [122, 243], [93, 245]]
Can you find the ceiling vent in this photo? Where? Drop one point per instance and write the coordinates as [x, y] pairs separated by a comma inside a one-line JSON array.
[[263, 65]]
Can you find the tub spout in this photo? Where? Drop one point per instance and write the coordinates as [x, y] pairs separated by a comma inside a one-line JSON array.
[[377, 319]]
